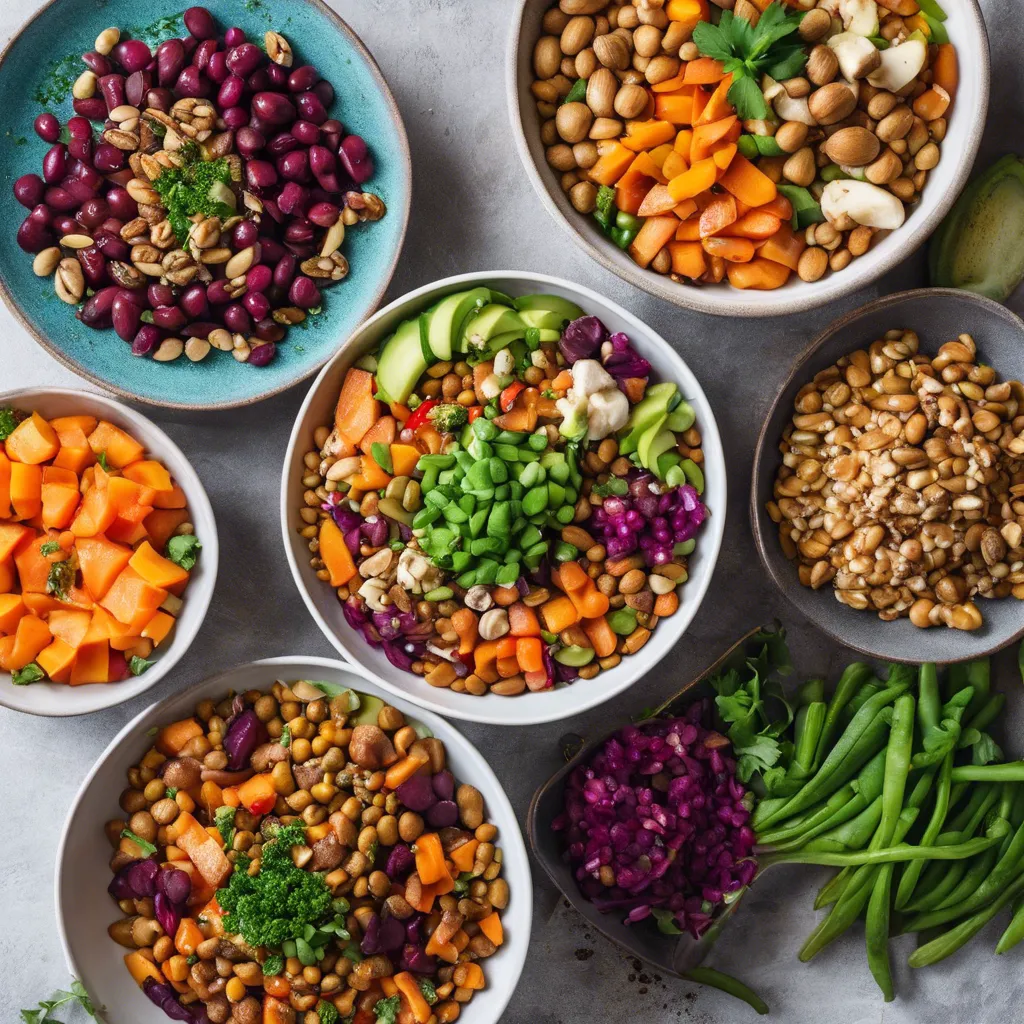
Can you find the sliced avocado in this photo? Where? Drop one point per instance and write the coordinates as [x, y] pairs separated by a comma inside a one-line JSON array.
[[369, 706], [448, 315], [401, 361], [554, 303], [500, 297], [664, 441], [548, 336], [544, 318], [681, 418], [491, 321], [666, 462], [424, 325], [474, 300], [503, 340], [651, 410]]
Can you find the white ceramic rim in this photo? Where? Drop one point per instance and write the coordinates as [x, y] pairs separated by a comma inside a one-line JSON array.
[[491, 709], [109, 695], [501, 810], [720, 301]]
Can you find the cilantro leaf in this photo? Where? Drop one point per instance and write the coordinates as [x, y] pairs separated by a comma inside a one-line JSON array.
[[78, 994], [172, 792], [286, 736], [746, 96], [102, 459], [60, 579], [138, 665], [714, 40], [31, 673], [143, 844], [49, 547], [9, 419], [184, 550]]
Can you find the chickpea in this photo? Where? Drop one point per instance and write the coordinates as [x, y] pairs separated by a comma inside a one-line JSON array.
[[154, 790], [164, 811], [145, 931], [379, 884], [387, 830], [410, 826], [390, 718], [143, 825]]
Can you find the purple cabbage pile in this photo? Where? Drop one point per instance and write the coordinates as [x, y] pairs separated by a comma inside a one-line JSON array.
[[167, 999], [374, 530], [169, 889], [647, 520], [659, 813], [399, 635], [583, 339]]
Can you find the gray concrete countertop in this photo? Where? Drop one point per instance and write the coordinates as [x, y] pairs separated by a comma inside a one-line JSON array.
[[475, 210]]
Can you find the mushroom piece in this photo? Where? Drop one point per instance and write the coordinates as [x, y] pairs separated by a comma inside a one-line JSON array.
[[857, 55], [899, 65], [863, 203], [370, 748]]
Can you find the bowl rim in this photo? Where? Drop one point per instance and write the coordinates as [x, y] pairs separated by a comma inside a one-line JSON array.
[[111, 695], [763, 443], [719, 301], [713, 541], [401, 136], [511, 831]]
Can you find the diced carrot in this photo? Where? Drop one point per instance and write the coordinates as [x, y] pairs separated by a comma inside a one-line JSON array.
[[140, 968], [642, 135], [652, 238], [674, 165], [674, 108], [430, 858], [572, 577], [932, 104], [92, 665], [717, 216], [257, 794], [687, 12], [491, 927], [779, 207], [409, 987], [657, 201], [403, 770], [723, 156], [357, 410], [121, 448], [523, 620], [734, 250], [12, 608], [203, 850], [472, 976], [703, 71], [172, 738], [755, 224], [56, 660], [747, 183], [158, 628], [383, 432], [785, 246], [59, 495], [149, 473], [600, 635], [699, 178], [669, 85], [464, 622], [371, 477], [485, 656], [211, 796], [464, 856], [708, 133], [187, 937], [335, 553], [688, 257], [13, 536], [945, 69], [529, 654], [26, 490], [33, 441], [590, 602], [612, 163], [759, 274], [718, 106]]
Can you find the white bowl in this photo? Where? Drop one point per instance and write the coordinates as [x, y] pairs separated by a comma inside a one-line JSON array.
[[528, 708], [966, 29], [84, 910], [59, 699]]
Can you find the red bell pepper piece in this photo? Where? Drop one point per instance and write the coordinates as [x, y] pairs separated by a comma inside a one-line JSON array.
[[419, 417], [474, 411], [509, 395]]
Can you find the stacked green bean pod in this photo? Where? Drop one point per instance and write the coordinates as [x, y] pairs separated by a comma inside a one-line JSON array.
[[897, 783]]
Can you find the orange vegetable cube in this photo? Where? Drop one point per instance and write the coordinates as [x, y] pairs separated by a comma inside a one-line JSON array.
[[612, 163], [26, 490], [175, 498], [70, 625], [155, 569], [92, 665], [120, 447], [56, 661], [688, 257], [149, 473], [158, 628], [404, 458], [161, 523], [30, 636], [747, 183], [12, 609], [642, 135], [699, 178], [33, 441], [130, 596], [59, 495], [335, 553], [101, 561], [785, 246], [759, 274], [652, 237], [13, 536], [357, 410]]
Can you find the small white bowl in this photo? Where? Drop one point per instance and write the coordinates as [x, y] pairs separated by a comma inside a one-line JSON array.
[[84, 910], [529, 708], [966, 29], [58, 700]]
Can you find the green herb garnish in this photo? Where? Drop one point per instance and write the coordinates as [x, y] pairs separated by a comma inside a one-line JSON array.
[[748, 52], [224, 819], [9, 419], [192, 958], [49, 547], [806, 210], [387, 1010], [614, 485], [31, 673], [184, 550], [143, 844], [60, 579], [578, 92], [272, 966], [428, 990], [172, 792], [138, 665], [286, 736], [198, 187], [326, 1012], [42, 1014], [102, 457]]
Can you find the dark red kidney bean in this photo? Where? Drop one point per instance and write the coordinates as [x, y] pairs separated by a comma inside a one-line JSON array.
[[301, 251], [244, 58], [78, 190], [271, 251], [93, 212], [278, 76], [126, 315], [55, 163], [112, 246], [193, 302], [237, 319], [268, 330], [262, 354], [325, 92], [333, 125], [112, 225], [190, 83], [217, 69], [122, 205], [283, 142], [132, 55], [170, 318], [96, 311], [160, 295], [200, 329], [259, 279], [260, 174], [217, 293], [249, 141], [97, 63], [170, 59], [146, 340], [278, 296], [231, 92], [204, 51], [79, 128], [199, 22], [160, 99], [58, 198], [258, 81], [190, 43], [47, 127], [42, 214], [87, 176], [305, 132], [93, 108], [245, 234], [137, 84], [113, 89], [136, 295], [94, 265], [273, 212], [81, 149], [323, 215], [234, 36], [332, 140], [293, 197], [263, 127], [235, 117], [294, 166], [29, 190], [328, 181], [311, 108], [275, 108], [107, 158], [356, 158], [299, 231], [64, 224], [257, 304], [33, 236], [303, 78], [322, 160], [304, 293]]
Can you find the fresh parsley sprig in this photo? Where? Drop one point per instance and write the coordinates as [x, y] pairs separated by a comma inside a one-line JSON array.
[[42, 1014], [748, 52]]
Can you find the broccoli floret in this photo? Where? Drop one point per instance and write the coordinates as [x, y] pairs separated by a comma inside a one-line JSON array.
[[9, 419], [605, 201], [448, 417]]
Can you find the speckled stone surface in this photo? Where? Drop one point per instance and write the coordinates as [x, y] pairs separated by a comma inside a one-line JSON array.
[[473, 209]]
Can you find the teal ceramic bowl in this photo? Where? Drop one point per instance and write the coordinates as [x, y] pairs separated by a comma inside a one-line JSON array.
[[36, 72]]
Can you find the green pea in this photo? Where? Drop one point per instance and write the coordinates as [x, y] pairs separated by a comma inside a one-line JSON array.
[[484, 429], [684, 547], [565, 552], [507, 574], [535, 500], [576, 657], [538, 442], [622, 621], [565, 514]]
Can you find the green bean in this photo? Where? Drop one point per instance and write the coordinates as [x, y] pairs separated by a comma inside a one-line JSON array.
[[979, 676], [861, 697], [986, 715], [853, 677], [1014, 931], [810, 722], [821, 820], [726, 983], [929, 705], [834, 888], [949, 942], [977, 871], [876, 931], [897, 765], [851, 835], [1011, 771], [939, 880], [912, 872], [956, 678], [973, 814]]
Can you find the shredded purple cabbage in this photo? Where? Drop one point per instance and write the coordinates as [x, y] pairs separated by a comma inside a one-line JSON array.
[[582, 339], [624, 360]]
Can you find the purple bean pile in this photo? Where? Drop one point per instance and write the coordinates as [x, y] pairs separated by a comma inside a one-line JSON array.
[[239, 258]]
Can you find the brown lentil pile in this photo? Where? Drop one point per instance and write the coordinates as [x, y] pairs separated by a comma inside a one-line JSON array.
[[902, 480]]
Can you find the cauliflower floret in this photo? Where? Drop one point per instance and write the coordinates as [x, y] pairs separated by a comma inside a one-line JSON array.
[[415, 573], [574, 415], [608, 412], [589, 377]]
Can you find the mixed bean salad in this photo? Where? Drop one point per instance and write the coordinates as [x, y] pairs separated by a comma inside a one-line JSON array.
[[96, 550], [304, 854], [211, 208], [744, 140], [505, 501], [900, 482]]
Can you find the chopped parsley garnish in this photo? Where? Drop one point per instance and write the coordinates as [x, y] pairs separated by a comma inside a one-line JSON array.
[[387, 1010], [172, 792], [49, 547], [42, 1013], [198, 187], [224, 819], [327, 1012], [102, 457], [143, 844], [748, 52], [60, 579], [31, 673], [184, 550], [462, 882], [614, 485], [192, 958], [273, 965], [286, 736], [138, 665]]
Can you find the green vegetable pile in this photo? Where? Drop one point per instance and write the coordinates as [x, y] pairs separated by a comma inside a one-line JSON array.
[[487, 501], [897, 782]]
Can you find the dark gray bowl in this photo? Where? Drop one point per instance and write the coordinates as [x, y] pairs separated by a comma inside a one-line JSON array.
[[937, 315], [673, 956]]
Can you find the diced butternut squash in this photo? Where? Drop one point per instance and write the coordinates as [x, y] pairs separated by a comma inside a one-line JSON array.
[[161, 523], [656, 233], [175, 498], [759, 274], [56, 660], [149, 473], [357, 410], [119, 447], [12, 608], [155, 569], [33, 441], [404, 458], [158, 628], [612, 163], [86, 424], [172, 738], [33, 566], [59, 495], [491, 927], [26, 490], [101, 561], [96, 513], [747, 183], [203, 850], [130, 595], [30, 637], [70, 625], [13, 536], [75, 453], [92, 665], [335, 553]]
